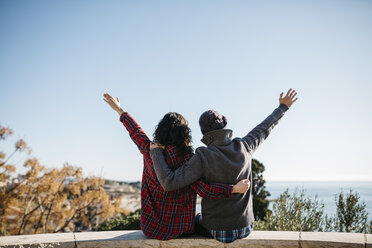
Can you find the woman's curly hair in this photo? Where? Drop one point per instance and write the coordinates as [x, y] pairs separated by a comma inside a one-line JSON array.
[[173, 129]]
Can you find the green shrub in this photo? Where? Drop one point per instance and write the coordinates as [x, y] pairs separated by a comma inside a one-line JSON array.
[[294, 213], [351, 216], [124, 222], [299, 213]]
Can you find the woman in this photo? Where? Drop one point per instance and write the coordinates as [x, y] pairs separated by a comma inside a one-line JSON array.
[[166, 215]]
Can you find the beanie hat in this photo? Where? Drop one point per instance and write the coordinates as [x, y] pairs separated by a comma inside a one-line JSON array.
[[211, 120]]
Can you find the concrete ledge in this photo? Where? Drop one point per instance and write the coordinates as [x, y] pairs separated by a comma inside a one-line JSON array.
[[116, 239]]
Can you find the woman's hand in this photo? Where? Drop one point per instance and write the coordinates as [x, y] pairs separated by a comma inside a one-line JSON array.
[[156, 145], [242, 186], [289, 98], [114, 104]]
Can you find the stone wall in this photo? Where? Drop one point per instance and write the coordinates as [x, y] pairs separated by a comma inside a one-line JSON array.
[[116, 239]]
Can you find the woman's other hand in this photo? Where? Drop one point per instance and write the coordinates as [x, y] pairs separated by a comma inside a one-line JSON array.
[[114, 104], [242, 186]]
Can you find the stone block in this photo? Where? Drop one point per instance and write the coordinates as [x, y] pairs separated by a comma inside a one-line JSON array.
[[368, 239], [114, 239], [332, 240], [268, 239], [192, 242], [49, 240]]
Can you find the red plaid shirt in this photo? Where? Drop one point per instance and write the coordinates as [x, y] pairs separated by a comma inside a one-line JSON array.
[[166, 215]]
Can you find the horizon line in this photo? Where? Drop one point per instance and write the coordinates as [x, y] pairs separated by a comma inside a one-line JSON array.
[[275, 181]]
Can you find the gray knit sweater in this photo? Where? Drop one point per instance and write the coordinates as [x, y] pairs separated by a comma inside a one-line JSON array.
[[224, 160]]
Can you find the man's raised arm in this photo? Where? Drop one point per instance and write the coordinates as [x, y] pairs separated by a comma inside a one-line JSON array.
[[255, 137], [183, 176]]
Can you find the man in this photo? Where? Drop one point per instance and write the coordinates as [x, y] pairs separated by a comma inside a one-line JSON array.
[[224, 160]]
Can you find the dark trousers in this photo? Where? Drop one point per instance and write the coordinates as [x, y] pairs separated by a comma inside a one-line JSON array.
[[200, 229]]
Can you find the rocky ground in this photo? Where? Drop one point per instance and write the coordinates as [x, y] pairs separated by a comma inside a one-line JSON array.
[[129, 191]]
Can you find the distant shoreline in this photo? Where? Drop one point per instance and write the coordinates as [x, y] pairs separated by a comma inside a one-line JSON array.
[[318, 181], [278, 181]]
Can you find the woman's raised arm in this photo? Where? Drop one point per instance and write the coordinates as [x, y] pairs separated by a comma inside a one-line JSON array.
[[135, 131]]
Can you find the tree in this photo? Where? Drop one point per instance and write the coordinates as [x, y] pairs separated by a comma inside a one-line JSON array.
[[351, 216], [8, 188], [260, 201], [50, 199]]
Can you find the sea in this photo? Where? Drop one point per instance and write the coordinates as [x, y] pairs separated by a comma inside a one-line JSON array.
[[326, 191]]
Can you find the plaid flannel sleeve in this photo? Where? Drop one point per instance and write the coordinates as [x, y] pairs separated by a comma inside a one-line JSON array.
[[212, 191], [136, 133]]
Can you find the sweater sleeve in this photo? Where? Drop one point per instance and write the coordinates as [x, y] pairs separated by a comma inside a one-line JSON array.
[[181, 177], [258, 134]]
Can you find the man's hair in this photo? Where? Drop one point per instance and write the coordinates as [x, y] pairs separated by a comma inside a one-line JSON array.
[[173, 129]]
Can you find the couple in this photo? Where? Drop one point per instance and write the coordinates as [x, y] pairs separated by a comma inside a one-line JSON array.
[[173, 174]]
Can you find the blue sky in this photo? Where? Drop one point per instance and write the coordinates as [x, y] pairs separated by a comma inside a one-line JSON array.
[[57, 58]]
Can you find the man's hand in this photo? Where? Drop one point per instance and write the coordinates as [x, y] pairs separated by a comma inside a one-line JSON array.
[[156, 145], [114, 104], [242, 186], [289, 98]]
